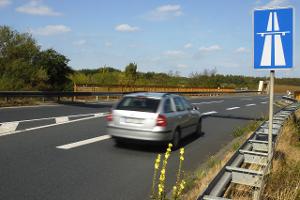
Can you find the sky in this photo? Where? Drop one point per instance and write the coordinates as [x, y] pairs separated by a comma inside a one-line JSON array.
[[161, 36]]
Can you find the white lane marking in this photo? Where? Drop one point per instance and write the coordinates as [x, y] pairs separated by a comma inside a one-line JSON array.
[[264, 97], [233, 108], [8, 127], [209, 102], [251, 104], [209, 113], [83, 142], [50, 125], [59, 120], [45, 118], [36, 106], [264, 102], [247, 99]]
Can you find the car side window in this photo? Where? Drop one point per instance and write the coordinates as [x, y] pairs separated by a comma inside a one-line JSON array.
[[178, 103], [168, 106], [187, 104]]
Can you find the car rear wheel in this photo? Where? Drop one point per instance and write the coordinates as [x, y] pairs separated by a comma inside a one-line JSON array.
[[119, 141], [176, 139], [199, 128]]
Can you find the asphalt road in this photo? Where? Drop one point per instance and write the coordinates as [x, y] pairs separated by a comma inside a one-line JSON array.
[[32, 167]]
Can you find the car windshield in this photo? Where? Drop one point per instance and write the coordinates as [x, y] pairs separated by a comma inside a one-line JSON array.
[[142, 104]]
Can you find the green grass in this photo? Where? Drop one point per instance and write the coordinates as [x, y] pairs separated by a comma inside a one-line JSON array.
[[239, 131]]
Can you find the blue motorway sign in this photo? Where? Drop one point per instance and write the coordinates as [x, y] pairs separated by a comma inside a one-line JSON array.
[[273, 38]]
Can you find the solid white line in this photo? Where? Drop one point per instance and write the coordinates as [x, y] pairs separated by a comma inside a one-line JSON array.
[[209, 102], [209, 113], [50, 125], [264, 102], [251, 104], [83, 142], [233, 108], [36, 106]]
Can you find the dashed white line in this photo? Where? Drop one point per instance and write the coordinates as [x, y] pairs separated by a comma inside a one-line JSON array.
[[251, 104], [247, 99], [264, 102], [209, 113], [46, 118], [209, 102], [8, 127], [233, 108], [83, 142], [50, 125], [59, 120]]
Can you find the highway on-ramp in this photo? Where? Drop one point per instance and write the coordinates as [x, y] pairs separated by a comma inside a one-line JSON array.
[[78, 160]]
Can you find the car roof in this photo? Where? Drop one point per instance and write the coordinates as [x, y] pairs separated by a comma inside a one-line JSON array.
[[155, 95]]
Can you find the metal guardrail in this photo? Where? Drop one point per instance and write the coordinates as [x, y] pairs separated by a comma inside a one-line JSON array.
[[253, 151], [81, 94]]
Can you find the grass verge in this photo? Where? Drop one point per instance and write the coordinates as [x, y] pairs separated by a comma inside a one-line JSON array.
[[197, 181]]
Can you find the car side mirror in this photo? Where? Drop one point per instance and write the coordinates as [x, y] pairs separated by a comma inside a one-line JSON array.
[[195, 108]]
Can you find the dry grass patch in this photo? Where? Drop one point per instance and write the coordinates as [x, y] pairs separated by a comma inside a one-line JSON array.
[[283, 183]]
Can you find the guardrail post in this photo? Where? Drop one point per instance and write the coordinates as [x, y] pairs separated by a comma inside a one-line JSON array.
[[6, 99], [58, 98]]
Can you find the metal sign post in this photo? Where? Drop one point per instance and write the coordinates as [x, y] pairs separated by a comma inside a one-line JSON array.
[[271, 101], [273, 49]]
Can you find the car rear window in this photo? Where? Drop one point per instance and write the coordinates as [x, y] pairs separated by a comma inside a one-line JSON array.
[[142, 104]]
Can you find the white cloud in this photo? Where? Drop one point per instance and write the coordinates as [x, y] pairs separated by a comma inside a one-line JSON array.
[[242, 50], [165, 12], [188, 45], [79, 42], [133, 46], [126, 28], [275, 3], [182, 66], [35, 7], [51, 30], [174, 53], [210, 48], [4, 3], [107, 44]]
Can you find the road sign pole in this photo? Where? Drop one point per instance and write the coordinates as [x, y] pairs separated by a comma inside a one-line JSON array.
[[270, 135]]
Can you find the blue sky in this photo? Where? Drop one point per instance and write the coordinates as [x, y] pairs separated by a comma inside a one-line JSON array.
[[185, 36]]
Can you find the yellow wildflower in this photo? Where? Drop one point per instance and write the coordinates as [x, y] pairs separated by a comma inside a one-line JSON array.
[[181, 151], [167, 155]]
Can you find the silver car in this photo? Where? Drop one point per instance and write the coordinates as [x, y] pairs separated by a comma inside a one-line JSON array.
[[153, 117]]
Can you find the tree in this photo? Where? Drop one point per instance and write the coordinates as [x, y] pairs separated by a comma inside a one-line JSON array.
[[18, 53], [57, 68], [131, 74]]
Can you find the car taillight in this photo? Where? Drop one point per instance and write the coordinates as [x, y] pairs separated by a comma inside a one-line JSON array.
[[161, 121], [109, 117]]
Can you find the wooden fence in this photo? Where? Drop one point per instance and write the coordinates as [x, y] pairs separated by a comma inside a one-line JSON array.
[[119, 88]]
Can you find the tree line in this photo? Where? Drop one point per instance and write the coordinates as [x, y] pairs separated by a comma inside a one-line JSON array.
[[25, 66]]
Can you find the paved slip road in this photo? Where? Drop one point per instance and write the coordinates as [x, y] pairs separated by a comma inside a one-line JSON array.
[[33, 168]]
